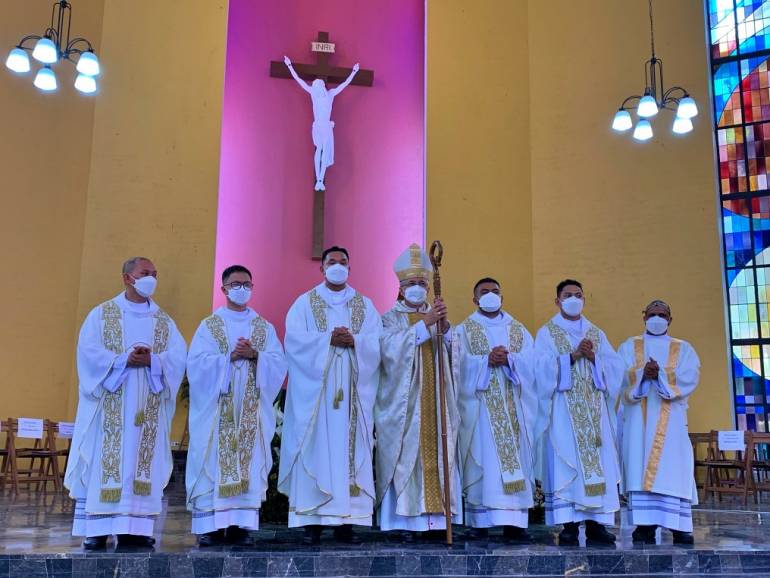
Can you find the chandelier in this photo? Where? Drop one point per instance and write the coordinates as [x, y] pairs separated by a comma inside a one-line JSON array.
[[55, 45], [655, 99]]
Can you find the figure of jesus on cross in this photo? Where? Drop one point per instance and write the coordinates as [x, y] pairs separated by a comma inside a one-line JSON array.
[[323, 126]]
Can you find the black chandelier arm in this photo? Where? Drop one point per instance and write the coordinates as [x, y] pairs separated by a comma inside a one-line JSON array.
[[72, 47], [34, 37], [630, 99], [669, 95]]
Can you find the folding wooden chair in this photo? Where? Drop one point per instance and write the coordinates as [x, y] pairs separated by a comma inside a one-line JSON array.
[[700, 448], [760, 464], [59, 452], [42, 451], [729, 472]]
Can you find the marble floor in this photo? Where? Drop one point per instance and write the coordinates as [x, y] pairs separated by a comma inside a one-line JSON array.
[[35, 540]]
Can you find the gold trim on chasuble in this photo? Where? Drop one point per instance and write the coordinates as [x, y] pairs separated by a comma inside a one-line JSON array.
[[149, 415], [112, 409], [661, 428], [498, 398], [357, 308], [584, 402], [236, 440], [434, 502]]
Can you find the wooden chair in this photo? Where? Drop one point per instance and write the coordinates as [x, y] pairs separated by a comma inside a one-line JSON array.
[[760, 464], [729, 472], [700, 448], [43, 451], [60, 452]]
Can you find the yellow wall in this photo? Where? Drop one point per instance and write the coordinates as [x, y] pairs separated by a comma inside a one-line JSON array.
[[45, 152], [155, 163], [479, 195], [527, 182]]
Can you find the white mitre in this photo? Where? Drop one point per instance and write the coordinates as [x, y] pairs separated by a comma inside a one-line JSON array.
[[413, 262]]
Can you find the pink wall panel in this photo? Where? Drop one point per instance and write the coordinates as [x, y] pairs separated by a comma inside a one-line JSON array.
[[375, 190]]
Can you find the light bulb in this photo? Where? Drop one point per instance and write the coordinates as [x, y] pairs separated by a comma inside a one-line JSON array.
[[647, 107], [45, 79], [85, 84], [88, 64], [682, 125], [643, 130], [622, 121], [45, 51], [687, 108], [18, 60]]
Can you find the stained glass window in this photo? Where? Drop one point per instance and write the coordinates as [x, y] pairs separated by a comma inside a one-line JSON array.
[[739, 33]]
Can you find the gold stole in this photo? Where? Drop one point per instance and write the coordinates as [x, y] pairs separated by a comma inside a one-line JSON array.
[[498, 398], [236, 441], [584, 402], [357, 308], [434, 502], [653, 462], [112, 410]]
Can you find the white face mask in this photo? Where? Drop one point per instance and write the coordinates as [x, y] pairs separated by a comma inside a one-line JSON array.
[[656, 325], [145, 286], [239, 296], [336, 274], [572, 306], [490, 302], [415, 294]]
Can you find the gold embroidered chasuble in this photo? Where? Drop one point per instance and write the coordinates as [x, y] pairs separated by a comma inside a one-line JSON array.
[[501, 406], [112, 411], [236, 438], [584, 403]]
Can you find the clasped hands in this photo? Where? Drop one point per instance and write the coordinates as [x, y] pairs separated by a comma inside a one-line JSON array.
[[437, 316], [584, 349], [342, 337], [498, 356], [140, 356], [243, 350], [651, 370]]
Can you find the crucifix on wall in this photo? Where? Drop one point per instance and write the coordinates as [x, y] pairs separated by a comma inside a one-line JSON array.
[[322, 98]]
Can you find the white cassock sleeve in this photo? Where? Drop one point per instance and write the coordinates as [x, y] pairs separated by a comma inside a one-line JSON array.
[[686, 376], [609, 369], [208, 372], [96, 364], [524, 366]]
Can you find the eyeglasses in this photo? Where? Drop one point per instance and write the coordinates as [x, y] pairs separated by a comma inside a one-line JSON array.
[[238, 285]]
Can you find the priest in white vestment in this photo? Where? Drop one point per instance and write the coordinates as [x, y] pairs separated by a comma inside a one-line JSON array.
[[236, 367], [579, 377], [661, 374], [494, 363], [333, 349], [130, 360], [409, 459]]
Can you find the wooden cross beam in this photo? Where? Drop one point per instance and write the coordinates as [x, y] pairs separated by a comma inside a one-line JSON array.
[[323, 49]]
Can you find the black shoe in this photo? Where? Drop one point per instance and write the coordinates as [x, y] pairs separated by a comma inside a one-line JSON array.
[[569, 534], [516, 535], [237, 535], [136, 541], [682, 537], [478, 533], [214, 538], [95, 543], [598, 533], [312, 536], [408, 537], [346, 535], [644, 535]]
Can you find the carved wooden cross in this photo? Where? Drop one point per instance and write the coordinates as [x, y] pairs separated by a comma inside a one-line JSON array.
[[330, 75]]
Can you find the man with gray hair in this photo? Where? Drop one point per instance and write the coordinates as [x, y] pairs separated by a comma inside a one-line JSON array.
[[130, 360], [661, 374]]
